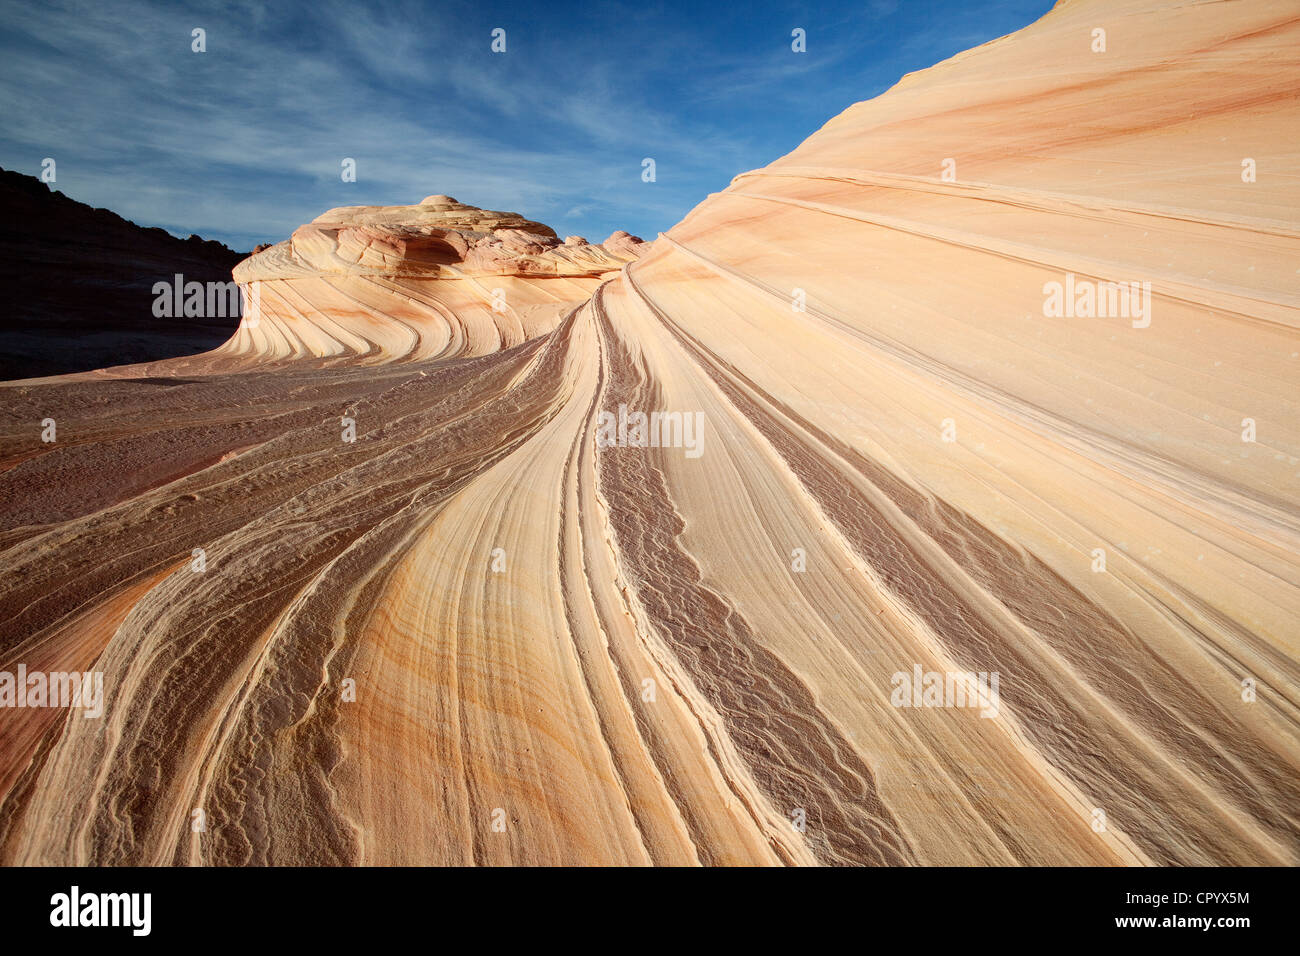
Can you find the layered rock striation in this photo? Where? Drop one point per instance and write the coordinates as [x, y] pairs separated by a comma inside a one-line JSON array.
[[433, 280], [685, 556]]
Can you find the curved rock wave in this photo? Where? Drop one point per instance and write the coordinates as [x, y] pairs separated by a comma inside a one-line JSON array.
[[402, 283], [511, 621]]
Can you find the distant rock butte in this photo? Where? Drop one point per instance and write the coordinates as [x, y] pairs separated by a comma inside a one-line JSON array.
[[436, 279], [438, 238], [79, 284]]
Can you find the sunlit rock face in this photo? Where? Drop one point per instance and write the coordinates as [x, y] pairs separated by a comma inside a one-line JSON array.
[[994, 375], [434, 280]]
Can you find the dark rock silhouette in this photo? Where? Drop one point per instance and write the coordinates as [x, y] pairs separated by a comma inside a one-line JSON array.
[[78, 284]]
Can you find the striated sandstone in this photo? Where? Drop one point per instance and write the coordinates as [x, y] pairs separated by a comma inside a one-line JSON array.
[[564, 653], [433, 280]]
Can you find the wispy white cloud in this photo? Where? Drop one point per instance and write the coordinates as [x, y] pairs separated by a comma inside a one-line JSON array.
[[244, 142]]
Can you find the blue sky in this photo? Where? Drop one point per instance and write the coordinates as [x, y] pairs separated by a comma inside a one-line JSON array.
[[244, 142]]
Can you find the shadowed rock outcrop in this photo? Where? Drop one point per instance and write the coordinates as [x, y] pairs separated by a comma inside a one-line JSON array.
[[79, 283]]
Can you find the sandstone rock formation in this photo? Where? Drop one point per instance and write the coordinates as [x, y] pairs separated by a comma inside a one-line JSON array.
[[433, 280], [483, 632]]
